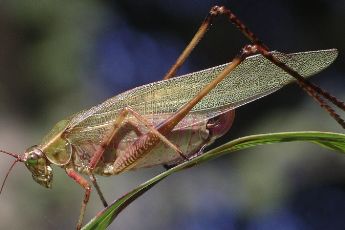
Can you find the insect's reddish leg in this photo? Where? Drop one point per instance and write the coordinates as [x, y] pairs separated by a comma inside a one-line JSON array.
[[205, 25], [155, 131], [92, 176], [118, 123], [148, 141], [85, 184], [313, 90], [105, 143], [186, 52]]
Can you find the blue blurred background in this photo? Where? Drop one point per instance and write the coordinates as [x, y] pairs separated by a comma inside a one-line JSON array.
[[59, 57]]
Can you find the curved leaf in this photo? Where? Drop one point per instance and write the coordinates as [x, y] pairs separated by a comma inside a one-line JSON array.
[[333, 141]]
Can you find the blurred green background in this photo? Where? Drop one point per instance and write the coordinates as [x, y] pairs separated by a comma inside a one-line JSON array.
[[59, 57]]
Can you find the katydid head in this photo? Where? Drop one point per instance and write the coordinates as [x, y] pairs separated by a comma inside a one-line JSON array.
[[39, 166], [53, 150], [36, 162]]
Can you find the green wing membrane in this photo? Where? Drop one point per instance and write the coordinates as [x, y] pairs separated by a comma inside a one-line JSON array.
[[252, 79]]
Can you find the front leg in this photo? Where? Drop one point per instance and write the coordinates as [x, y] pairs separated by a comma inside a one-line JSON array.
[[85, 184]]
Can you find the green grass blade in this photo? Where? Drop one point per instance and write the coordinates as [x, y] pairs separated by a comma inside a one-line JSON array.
[[333, 141]]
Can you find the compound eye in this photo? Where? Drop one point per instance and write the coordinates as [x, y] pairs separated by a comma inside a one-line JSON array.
[[32, 159]]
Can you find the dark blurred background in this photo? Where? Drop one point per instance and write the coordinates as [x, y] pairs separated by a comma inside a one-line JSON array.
[[58, 57]]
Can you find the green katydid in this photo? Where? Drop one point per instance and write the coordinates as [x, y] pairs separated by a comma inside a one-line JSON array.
[[142, 127]]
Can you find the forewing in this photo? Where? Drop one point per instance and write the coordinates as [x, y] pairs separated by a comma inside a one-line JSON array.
[[254, 78]]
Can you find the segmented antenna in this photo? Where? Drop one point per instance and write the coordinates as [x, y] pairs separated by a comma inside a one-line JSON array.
[[18, 159], [17, 156]]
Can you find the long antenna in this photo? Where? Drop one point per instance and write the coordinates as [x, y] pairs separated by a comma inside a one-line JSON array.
[[18, 159], [17, 156], [8, 172]]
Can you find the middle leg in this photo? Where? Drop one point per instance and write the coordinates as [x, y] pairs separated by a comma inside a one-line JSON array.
[[98, 189], [147, 142], [118, 123]]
